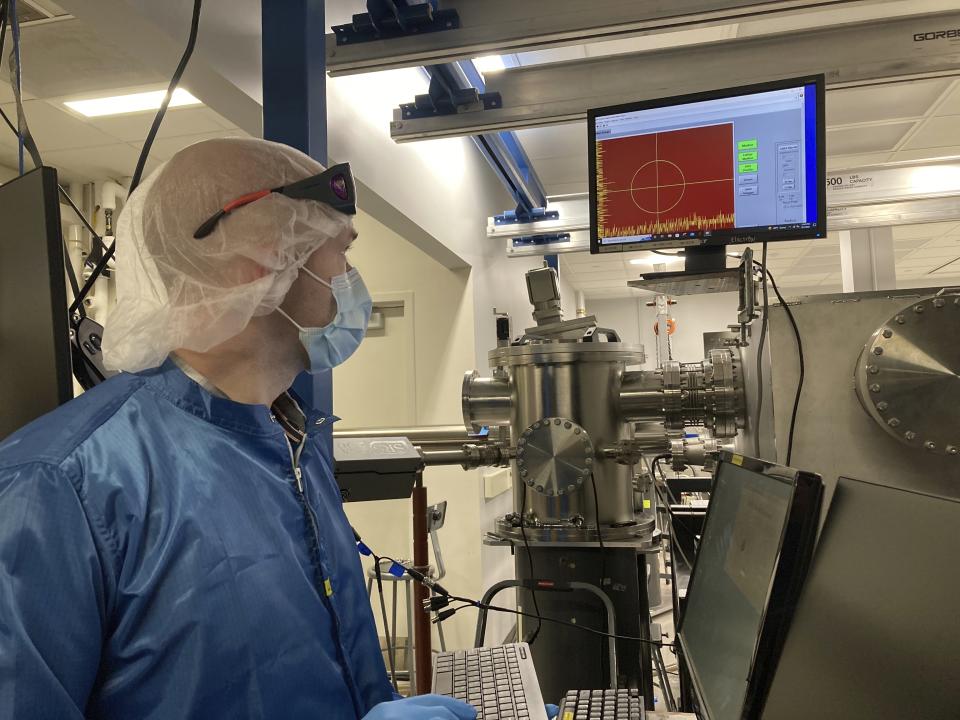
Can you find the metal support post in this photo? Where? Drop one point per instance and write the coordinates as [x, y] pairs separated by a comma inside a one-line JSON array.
[[295, 112], [867, 260], [423, 650]]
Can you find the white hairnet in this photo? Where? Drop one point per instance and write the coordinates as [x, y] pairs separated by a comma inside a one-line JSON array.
[[177, 292]]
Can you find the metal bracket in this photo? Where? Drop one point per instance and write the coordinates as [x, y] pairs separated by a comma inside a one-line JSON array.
[[395, 18], [446, 97], [518, 216], [536, 240]]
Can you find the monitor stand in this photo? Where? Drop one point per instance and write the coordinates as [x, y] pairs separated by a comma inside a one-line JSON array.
[[704, 271]]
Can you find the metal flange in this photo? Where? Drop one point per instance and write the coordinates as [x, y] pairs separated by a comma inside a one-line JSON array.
[[554, 456], [908, 375]]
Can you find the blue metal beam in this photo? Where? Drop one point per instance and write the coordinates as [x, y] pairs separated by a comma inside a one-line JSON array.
[[295, 112], [502, 149]]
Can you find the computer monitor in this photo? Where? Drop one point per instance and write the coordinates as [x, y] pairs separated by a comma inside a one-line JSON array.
[[737, 165], [875, 633], [34, 337], [756, 545]]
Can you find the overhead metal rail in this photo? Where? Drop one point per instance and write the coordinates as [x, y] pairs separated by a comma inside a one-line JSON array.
[[902, 193], [498, 26], [852, 55]]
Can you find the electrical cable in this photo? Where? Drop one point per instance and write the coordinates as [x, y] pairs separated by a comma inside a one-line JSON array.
[[760, 342], [603, 549], [796, 400], [496, 608], [526, 545], [148, 143], [378, 574], [655, 467], [26, 140]]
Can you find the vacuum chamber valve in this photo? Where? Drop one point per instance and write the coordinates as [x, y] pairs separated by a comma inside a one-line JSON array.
[[907, 374], [554, 456]]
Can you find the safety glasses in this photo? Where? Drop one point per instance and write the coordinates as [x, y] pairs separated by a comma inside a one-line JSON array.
[[333, 187]]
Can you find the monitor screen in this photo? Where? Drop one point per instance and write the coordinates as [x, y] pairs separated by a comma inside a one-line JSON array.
[[731, 583], [34, 334], [731, 166]]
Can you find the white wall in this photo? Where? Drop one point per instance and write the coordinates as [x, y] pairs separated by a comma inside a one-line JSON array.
[[443, 348], [695, 315]]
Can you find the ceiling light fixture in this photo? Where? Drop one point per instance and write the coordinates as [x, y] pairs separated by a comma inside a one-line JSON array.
[[132, 103], [489, 63]]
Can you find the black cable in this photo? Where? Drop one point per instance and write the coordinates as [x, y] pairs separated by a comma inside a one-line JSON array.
[[655, 467], [378, 574], [796, 400], [603, 549], [148, 143], [760, 342], [533, 577], [25, 137], [496, 608]]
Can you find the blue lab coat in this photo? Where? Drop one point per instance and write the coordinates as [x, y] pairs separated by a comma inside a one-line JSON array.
[[157, 561]]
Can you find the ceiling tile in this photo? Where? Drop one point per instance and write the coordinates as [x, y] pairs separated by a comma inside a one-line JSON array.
[[925, 230], [55, 129], [537, 57], [883, 102], [927, 153], [951, 104], [176, 122], [905, 244], [937, 132], [842, 162], [567, 169], [117, 160], [555, 140], [850, 141], [932, 253], [165, 148], [84, 61], [6, 92]]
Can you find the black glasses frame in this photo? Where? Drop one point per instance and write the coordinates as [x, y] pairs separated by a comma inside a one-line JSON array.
[[333, 186]]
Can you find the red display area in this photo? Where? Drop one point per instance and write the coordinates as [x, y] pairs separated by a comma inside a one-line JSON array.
[[669, 182]]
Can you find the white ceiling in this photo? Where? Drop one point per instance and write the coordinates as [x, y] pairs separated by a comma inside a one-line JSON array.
[[905, 121], [92, 148], [865, 126]]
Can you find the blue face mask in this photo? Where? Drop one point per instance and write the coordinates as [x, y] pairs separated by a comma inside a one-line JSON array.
[[331, 345]]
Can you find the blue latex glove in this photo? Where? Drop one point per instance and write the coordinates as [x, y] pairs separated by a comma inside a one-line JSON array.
[[423, 707], [552, 711]]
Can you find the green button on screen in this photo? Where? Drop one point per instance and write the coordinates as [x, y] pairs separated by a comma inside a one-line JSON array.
[[747, 145], [747, 168], [747, 156]]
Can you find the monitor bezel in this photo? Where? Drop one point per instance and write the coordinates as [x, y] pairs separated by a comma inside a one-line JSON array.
[[769, 641], [818, 232]]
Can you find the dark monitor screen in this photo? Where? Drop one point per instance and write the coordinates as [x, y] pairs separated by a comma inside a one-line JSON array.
[[748, 554], [34, 342], [737, 165], [875, 632]]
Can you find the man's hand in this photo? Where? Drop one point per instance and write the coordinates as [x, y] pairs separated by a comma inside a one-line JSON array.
[[423, 707]]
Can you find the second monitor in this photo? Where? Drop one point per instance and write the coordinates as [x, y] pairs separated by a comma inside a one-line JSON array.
[[737, 165]]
